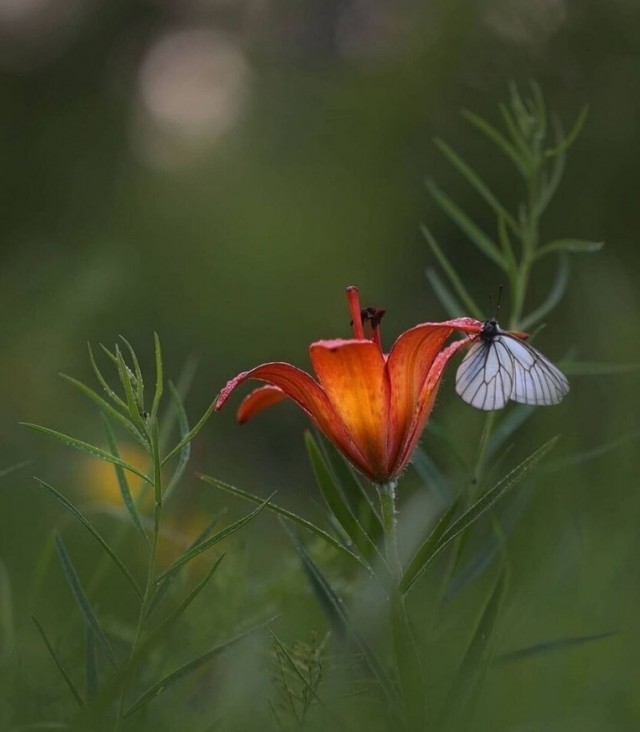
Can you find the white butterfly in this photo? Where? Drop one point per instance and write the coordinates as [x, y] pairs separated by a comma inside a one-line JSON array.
[[500, 366]]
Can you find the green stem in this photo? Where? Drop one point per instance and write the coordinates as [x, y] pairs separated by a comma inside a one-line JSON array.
[[406, 650]]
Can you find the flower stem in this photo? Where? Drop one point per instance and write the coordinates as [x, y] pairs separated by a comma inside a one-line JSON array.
[[407, 655]]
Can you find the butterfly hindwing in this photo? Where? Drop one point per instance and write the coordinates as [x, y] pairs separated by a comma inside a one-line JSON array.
[[535, 379]]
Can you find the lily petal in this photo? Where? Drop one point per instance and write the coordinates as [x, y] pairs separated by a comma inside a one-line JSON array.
[[425, 402], [306, 393], [259, 399], [354, 377]]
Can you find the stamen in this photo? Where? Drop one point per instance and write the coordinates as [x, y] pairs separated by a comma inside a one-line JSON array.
[[353, 299], [371, 318]]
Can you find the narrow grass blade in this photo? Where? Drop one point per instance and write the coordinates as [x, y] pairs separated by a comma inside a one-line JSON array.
[[449, 270], [337, 503], [477, 658], [86, 447], [128, 379], [478, 509], [517, 137], [579, 246], [355, 493], [157, 633], [567, 141], [103, 382], [431, 475], [552, 180], [185, 453], [285, 513], [66, 503], [54, 656], [558, 644], [187, 669], [556, 293], [477, 183], [82, 600], [593, 368], [578, 458], [7, 625], [157, 396], [212, 540], [107, 409], [157, 473], [338, 617], [501, 142], [427, 549], [91, 665], [466, 225], [508, 425], [294, 667], [12, 469], [139, 381], [123, 483], [188, 437], [447, 299]]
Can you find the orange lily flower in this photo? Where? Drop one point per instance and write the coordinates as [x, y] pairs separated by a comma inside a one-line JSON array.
[[373, 406]]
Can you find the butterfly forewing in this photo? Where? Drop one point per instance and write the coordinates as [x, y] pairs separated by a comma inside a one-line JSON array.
[[501, 366], [484, 377]]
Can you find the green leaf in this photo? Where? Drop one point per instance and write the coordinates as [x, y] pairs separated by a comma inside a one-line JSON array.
[[103, 382], [497, 138], [593, 368], [123, 483], [558, 644], [339, 618], [449, 270], [571, 461], [580, 246], [307, 525], [66, 503], [157, 396], [551, 182], [507, 426], [212, 540], [185, 453], [567, 141], [82, 600], [477, 658], [127, 378], [188, 437], [139, 382], [294, 667], [91, 664], [12, 469], [477, 183], [466, 225], [477, 510], [337, 503], [187, 669], [156, 634], [431, 474], [447, 299], [516, 131], [427, 550], [86, 447], [558, 288], [356, 495], [7, 625], [157, 473], [58, 663], [108, 410]]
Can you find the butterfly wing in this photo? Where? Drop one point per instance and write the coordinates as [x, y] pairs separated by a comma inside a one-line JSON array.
[[485, 377], [535, 379]]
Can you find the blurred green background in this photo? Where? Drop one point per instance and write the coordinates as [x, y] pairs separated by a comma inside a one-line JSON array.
[[220, 170]]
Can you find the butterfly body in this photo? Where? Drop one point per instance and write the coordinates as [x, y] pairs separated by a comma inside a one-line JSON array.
[[501, 366]]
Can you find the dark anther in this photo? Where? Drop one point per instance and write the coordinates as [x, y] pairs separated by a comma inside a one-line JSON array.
[[373, 316]]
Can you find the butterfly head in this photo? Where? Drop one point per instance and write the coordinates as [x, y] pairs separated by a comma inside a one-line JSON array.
[[490, 330]]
